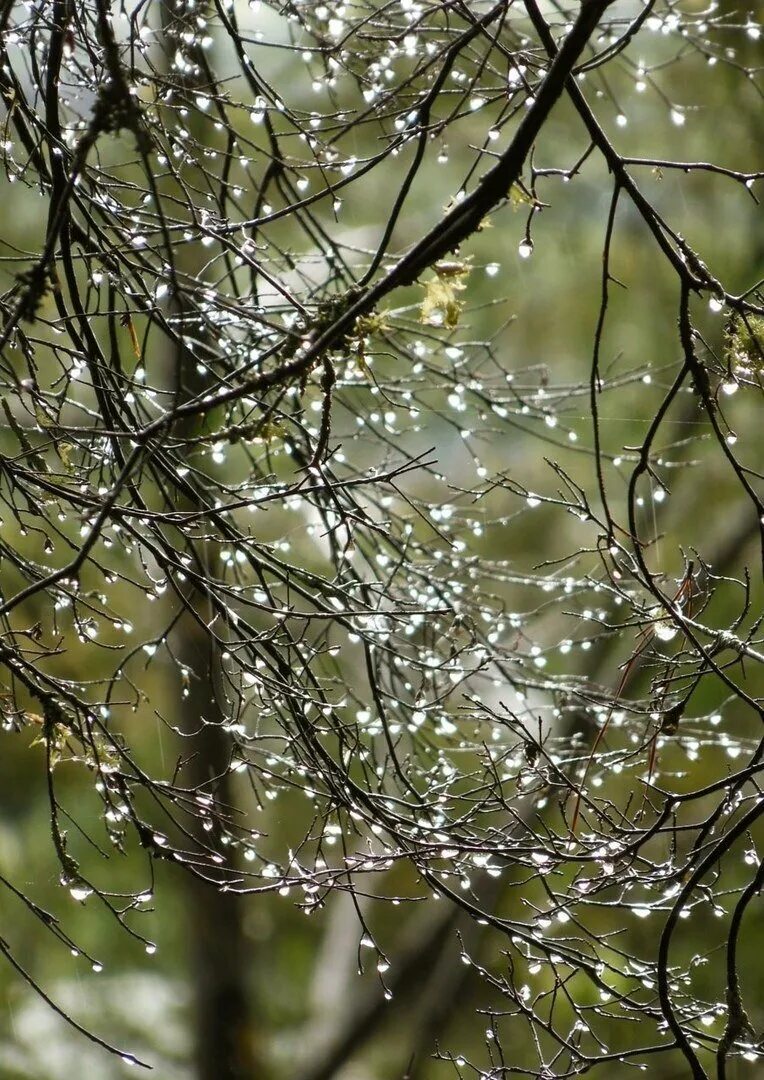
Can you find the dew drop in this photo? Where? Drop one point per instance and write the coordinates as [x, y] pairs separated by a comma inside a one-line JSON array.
[[80, 892]]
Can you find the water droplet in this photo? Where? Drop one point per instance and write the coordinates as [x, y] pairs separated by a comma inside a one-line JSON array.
[[525, 249], [80, 892]]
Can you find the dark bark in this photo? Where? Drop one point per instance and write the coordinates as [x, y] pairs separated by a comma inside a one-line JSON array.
[[218, 946]]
